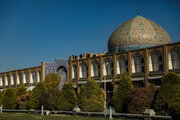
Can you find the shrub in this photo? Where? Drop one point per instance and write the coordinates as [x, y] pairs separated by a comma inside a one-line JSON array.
[[22, 101], [169, 95], [175, 110], [140, 99], [91, 97], [121, 92], [52, 82], [21, 90], [67, 99], [9, 99], [1, 96], [38, 96]]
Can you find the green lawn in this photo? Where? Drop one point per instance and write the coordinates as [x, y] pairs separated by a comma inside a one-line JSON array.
[[24, 116]]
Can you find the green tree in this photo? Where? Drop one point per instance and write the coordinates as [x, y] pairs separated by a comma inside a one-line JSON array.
[[91, 97], [9, 99], [67, 99], [81, 95], [168, 99], [1, 96], [38, 96], [52, 82], [121, 92], [21, 90]]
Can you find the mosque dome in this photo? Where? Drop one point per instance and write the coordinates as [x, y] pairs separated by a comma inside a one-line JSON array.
[[138, 32]]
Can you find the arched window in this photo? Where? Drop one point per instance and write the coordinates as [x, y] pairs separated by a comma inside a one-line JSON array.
[[7, 79], [95, 69], [137, 63], [39, 72], [33, 76], [108, 68], [13, 82], [26, 73], [74, 72], [122, 64], [2, 77], [19, 80], [174, 58], [62, 72], [83, 70], [156, 61]]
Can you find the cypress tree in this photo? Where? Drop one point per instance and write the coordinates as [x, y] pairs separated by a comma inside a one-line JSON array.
[[121, 92], [168, 98], [67, 99], [38, 96], [1, 96], [21, 90], [91, 97], [9, 99], [52, 82]]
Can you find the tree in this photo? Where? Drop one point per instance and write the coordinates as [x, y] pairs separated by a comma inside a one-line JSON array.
[[9, 99], [168, 97], [81, 95], [91, 97], [38, 96], [21, 90], [140, 99], [121, 92], [1, 96], [22, 101], [67, 99], [52, 82]]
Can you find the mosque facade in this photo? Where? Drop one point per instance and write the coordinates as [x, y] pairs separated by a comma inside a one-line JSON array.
[[139, 46]]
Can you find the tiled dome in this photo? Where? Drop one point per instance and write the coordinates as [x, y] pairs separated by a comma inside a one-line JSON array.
[[136, 33]]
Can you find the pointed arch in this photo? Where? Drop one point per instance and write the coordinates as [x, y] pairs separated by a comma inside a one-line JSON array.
[[83, 70], [156, 60], [62, 72], [122, 64], [174, 58], [95, 69], [74, 72], [138, 63], [108, 68]]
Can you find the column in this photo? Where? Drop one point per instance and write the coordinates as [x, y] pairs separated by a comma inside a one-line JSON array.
[[114, 67], [29, 75], [165, 54], [16, 78], [10, 78], [22, 74], [101, 68], [78, 70], [37, 76], [5, 80], [146, 63], [42, 71], [129, 64]]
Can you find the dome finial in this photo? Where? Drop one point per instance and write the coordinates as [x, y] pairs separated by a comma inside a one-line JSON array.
[[138, 11]]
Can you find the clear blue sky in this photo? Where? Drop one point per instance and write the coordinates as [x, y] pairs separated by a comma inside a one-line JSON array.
[[32, 31]]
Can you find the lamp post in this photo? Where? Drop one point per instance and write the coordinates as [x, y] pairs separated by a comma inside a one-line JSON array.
[[106, 63]]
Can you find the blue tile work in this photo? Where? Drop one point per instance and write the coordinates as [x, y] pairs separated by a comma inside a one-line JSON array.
[[60, 62], [50, 67]]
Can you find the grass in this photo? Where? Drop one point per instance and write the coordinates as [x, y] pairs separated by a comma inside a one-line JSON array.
[[24, 116]]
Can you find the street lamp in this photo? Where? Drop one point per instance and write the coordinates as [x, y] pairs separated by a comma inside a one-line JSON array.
[[106, 63]]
